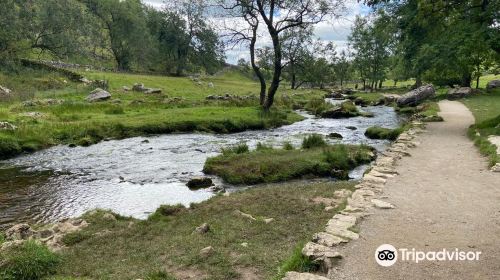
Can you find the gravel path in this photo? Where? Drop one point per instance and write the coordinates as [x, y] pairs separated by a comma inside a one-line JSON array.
[[445, 197]]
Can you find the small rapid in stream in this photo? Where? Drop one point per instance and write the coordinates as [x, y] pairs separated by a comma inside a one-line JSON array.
[[134, 176]]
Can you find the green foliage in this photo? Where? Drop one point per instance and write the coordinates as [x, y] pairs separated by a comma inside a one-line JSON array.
[[318, 106], [237, 149], [296, 262], [76, 237], [313, 141], [159, 275], [480, 132], [263, 147], [166, 211], [288, 146], [377, 132], [30, 261], [279, 165]]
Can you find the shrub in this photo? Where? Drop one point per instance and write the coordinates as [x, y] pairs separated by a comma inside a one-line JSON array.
[[288, 146], [9, 147], [30, 261], [318, 106], [338, 157], [312, 141]]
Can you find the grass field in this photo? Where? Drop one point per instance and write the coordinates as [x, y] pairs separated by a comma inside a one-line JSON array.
[[131, 249], [486, 110], [60, 114]]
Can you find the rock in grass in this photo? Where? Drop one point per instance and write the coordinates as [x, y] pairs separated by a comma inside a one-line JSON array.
[[457, 93], [377, 132], [7, 126], [204, 228], [199, 182], [351, 127], [416, 96], [109, 217], [19, 232], [207, 252], [493, 84], [335, 135], [5, 92], [97, 95], [345, 110]]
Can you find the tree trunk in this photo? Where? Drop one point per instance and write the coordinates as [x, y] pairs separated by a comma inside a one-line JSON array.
[[364, 84], [477, 81], [418, 82], [294, 76], [275, 83], [256, 68], [380, 84], [466, 80]]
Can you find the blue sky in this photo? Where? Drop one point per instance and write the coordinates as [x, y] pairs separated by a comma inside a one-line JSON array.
[[335, 31]]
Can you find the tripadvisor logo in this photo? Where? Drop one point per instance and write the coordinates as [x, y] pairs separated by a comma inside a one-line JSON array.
[[387, 255]]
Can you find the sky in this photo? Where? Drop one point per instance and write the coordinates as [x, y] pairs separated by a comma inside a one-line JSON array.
[[335, 31]]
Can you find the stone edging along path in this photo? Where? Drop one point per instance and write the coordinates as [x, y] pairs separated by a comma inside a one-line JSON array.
[[341, 228]]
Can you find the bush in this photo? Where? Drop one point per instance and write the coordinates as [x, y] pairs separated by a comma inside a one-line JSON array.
[[9, 147], [159, 275], [312, 141], [30, 261], [318, 106], [288, 146], [338, 157]]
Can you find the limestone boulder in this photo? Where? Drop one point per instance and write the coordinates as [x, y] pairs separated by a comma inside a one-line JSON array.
[[493, 84], [98, 95], [457, 93], [416, 96]]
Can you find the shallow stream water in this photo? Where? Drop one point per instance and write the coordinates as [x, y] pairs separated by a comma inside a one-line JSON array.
[[134, 176]]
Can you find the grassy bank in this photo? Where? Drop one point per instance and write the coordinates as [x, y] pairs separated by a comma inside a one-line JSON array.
[[486, 110], [166, 247], [48, 110], [277, 165]]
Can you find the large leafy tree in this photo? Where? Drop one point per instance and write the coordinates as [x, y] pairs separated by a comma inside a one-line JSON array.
[[276, 17], [125, 24]]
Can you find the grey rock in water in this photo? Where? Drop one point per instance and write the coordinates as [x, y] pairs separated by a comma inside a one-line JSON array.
[[335, 135], [97, 95], [456, 93], [416, 96], [493, 84]]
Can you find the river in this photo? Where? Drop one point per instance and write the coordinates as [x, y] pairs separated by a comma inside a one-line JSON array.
[[134, 176]]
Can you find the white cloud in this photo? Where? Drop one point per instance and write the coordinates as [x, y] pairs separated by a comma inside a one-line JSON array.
[[336, 30]]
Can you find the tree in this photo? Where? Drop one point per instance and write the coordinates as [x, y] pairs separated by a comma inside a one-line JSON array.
[[342, 67], [125, 23], [277, 17], [296, 44]]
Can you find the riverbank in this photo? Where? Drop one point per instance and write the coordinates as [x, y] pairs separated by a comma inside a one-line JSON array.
[[47, 110], [253, 235]]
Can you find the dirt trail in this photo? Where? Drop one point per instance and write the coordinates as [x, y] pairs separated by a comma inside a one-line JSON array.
[[445, 197]]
